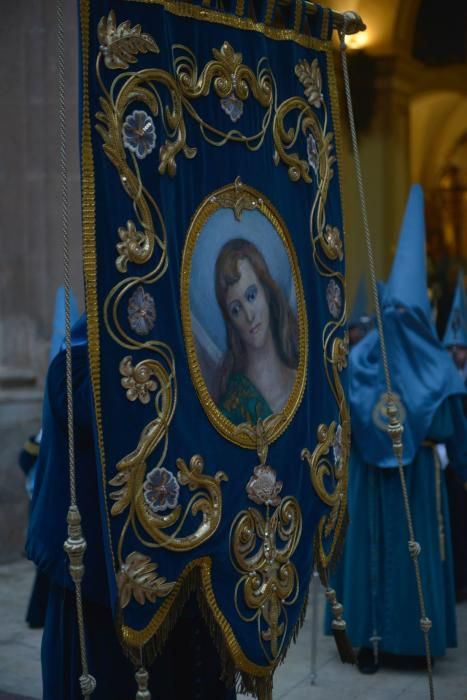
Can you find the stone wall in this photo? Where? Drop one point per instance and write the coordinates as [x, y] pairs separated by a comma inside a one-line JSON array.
[[31, 238]]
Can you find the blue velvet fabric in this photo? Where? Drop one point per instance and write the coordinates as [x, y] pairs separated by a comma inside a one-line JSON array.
[[375, 580], [191, 431]]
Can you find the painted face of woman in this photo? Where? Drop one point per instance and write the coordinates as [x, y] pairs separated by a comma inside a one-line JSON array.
[[248, 307]]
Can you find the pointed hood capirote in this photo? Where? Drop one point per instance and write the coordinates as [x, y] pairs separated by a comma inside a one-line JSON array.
[[456, 329], [422, 372], [407, 283]]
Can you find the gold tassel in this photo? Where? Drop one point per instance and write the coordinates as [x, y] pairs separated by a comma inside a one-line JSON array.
[[339, 629]]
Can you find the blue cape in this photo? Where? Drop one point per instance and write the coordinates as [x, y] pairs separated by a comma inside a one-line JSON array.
[[423, 376]]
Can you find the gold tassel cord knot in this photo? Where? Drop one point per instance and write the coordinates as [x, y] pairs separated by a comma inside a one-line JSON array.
[[395, 429], [414, 549], [87, 684], [142, 680], [425, 624], [75, 545], [339, 628]]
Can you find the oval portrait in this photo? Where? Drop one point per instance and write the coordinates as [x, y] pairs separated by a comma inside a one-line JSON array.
[[243, 313]]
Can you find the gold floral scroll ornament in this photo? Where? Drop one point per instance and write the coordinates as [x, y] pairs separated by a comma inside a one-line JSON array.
[[229, 75], [328, 463], [261, 552]]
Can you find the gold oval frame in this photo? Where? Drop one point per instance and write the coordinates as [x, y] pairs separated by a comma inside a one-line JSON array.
[[238, 197]]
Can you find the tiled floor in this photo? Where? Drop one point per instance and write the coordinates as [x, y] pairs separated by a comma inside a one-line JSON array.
[[20, 659]]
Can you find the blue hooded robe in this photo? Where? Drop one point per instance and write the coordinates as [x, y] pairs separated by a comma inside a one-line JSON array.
[[376, 578], [456, 335]]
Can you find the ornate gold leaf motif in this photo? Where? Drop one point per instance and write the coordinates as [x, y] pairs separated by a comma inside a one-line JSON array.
[[309, 75], [237, 199], [228, 75], [133, 247], [138, 578], [121, 44], [262, 549], [324, 471], [230, 58]]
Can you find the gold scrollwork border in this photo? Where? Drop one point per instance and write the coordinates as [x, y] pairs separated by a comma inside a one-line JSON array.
[[228, 197], [204, 14]]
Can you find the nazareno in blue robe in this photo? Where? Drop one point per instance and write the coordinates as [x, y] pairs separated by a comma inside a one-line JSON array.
[[188, 666], [375, 579]]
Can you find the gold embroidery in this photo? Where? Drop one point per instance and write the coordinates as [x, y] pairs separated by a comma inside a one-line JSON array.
[[132, 185], [332, 243], [237, 199], [206, 501], [137, 380], [240, 8], [120, 45], [134, 247], [232, 81], [138, 578], [228, 74], [137, 638], [324, 472], [286, 138], [298, 15], [309, 75], [269, 12], [188, 9], [261, 552]]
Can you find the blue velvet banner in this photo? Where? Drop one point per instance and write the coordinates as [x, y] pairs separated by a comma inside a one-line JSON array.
[[215, 295]]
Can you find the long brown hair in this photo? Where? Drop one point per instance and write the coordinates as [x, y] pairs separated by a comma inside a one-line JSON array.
[[283, 322]]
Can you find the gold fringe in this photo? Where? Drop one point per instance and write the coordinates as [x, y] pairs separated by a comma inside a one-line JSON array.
[[156, 643], [245, 682], [296, 630]]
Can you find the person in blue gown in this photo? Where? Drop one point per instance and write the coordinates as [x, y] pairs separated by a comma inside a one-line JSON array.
[[376, 579], [455, 341], [36, 610], [188, 666]]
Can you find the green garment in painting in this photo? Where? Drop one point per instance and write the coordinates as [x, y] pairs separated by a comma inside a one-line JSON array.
[[242, 402]]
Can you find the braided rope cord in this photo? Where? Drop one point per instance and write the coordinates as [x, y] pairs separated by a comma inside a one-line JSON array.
[[75, 545], [395, 428]]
